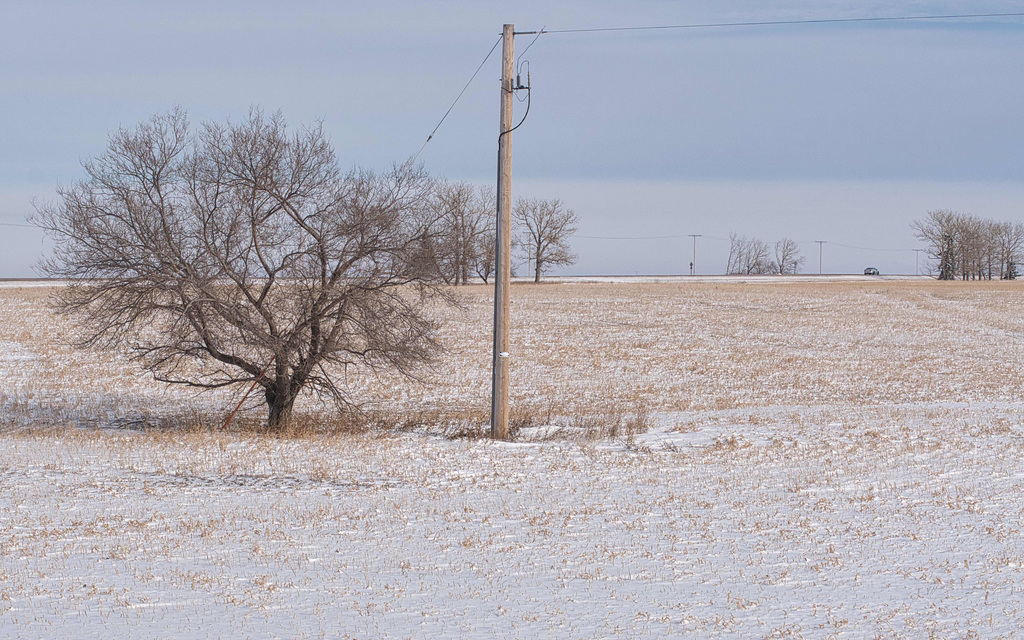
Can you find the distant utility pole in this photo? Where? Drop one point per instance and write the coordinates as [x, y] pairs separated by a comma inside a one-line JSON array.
[[693, 262], [820, 242], [917, 254], [503, 248]]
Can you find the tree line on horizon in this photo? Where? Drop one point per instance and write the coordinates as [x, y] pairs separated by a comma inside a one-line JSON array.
[[967, 247], [753, 256]]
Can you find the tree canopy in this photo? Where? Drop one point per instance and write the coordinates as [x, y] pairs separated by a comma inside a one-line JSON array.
[[208, 253]]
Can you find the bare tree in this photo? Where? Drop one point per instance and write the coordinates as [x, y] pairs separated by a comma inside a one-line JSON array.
[[748, 256], [757, 260], [947, 258], [544, 230], [465, 216], [938, 231], [787, 257], [1008, 238], [736, 243], [485, 242], [971, 247], [485, 254], [209, 254]]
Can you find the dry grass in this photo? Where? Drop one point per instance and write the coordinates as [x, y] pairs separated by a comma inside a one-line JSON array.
[[712, 346], [588, 352]]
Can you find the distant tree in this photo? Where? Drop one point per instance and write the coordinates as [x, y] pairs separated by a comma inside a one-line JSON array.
[[485, 251], [737, 248], [1011, 272], [966, 246], [209, 254], [544, 229], [947, 258], [464, 218], [1008, 238], [971, 246], [937, 230], [787, 257], [748, 256]]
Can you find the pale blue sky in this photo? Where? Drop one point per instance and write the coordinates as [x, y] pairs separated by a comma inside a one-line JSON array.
[[843, 133]]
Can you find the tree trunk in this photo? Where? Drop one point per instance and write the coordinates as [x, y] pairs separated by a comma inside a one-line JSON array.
[[280, 414], [279, 403]]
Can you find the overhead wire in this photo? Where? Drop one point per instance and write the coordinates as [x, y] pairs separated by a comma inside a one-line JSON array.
[[631, 237], [456, 101], [709, 237], [769, 23], [525, 113], [525, 99], [518, 83], [523, 52], [851, 246], [706, 25], [665, 237]]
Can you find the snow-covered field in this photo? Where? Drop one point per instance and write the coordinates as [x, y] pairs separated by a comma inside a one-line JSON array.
[[694, 459]]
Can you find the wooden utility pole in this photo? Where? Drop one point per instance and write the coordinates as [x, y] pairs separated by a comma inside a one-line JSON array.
[[503, 250], [917, 254], [693, 261], [820, 243]]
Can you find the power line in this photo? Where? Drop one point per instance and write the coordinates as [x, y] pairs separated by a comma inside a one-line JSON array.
[[15, 224], [457, 98], [669, 237], [523, 53], [769, 23], [707, 25], [632, 237], [709, 237], [853, 246]]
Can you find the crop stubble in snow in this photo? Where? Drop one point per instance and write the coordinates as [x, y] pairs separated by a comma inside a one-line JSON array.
[[823, 458]]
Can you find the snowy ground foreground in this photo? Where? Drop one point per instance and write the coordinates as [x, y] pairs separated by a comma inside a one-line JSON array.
[[822, 459]]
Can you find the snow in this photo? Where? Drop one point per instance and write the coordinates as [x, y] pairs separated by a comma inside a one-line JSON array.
[[29, 283], [406, 536], [813, 460], [733, 279]]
